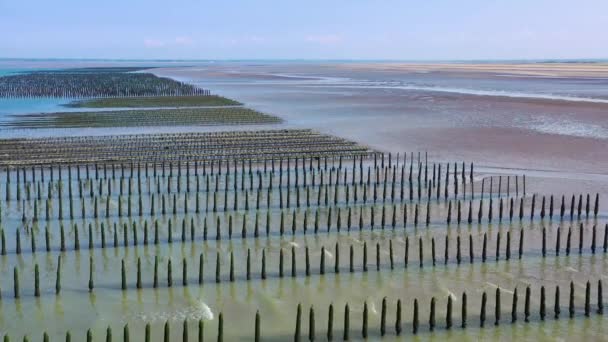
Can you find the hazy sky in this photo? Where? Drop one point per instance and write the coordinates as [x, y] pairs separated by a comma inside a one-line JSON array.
[[312, 29]]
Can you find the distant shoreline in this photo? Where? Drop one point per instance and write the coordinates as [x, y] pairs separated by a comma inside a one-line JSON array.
[[554, 69], [305, 60], [550, 68]]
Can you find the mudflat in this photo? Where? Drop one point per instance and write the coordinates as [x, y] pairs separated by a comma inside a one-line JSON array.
[[466, 111]]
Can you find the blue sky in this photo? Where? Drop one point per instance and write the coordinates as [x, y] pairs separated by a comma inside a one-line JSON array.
[[328, 29]]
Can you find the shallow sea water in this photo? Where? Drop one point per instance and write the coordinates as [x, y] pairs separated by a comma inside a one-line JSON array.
[[276, 298]]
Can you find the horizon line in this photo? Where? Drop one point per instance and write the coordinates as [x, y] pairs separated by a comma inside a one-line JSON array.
[[177, 60]]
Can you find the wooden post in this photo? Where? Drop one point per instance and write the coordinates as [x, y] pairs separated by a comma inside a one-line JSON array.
[[432, 315], [514, 306], [433, 250], [508, 248], [16, 282], [571, 302], [406, 253], [257, 326], [482, 314], [155, 280], [166, 332], [218, 267], [169, 274], [330, 322], [91, 272], [322, 261], [497, 307], [580, 239], [311, 324], [297, 333], [600, 298], [527, 305], [463, 311], [415, 319], [420, 251], [471, 251], [446, 249], [58, 276], [364, 256], [220, 328], [568, 239], [377, 256], [485, 245], [364, 323], [587, 299], [383, 318], [458, 257], [125, 333], [36, 281], [232, 266], [448, 317], [398, 318], [593, 240], [556, 307], [498, 245], [307, 260], [542, 309]]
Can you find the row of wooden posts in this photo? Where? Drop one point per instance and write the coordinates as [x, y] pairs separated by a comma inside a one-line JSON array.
[[362, 267], [449, 321], [207, 187], [430, 184], [283, 225], [209, 167], [375, 175], [260, 185], [282, 228], [213, 204], [449, 317], [10, 93]]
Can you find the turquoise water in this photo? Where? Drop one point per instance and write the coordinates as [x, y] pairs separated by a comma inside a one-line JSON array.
[[4, 72], [22, 106]]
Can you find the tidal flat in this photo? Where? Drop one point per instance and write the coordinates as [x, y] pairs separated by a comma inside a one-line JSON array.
[[417, 202]]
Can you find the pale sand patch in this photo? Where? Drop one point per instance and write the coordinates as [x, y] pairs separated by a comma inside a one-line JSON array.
[[593, 70]]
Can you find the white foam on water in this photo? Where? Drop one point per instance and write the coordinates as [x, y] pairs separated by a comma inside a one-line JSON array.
[[355, 240], [198, 310], [372, 308], [549, 125], [449, 293], [502, 93], [498, 287], [353, 83], [205, 311]]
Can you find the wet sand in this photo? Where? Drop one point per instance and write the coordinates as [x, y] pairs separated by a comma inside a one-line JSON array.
[[510, 134], [593, 70]]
